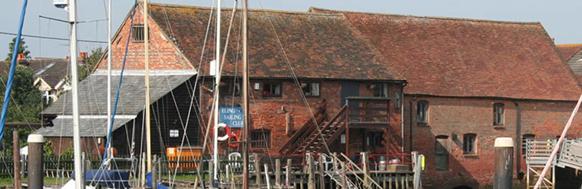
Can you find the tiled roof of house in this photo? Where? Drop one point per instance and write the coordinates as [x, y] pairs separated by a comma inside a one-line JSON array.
[[468, 58], [569, 50], [572, 54], [315, 45], [51, 70]]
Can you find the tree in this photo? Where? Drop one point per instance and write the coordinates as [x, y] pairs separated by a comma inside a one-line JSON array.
[[22, 49], [90, 63], [25, 104]]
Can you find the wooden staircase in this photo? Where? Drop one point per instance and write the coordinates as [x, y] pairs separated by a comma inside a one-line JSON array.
[[313, 137]]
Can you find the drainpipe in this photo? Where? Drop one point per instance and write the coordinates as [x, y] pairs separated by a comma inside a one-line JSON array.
[[518, 141], [401, 103]]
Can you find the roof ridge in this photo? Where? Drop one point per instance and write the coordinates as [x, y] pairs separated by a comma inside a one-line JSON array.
[[429, 17], [252, 10]]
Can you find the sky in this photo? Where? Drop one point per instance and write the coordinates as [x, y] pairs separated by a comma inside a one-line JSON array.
[[559, 17]]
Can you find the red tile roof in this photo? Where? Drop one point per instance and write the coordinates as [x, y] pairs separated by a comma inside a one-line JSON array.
[[316, 45], [468, 58], [567, 51]]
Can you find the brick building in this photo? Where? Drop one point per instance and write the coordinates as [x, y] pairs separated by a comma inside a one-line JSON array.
[[444, 87], [468, 82]]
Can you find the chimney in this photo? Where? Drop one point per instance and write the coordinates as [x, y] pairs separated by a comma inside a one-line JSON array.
[[82, 57], [22, 59]]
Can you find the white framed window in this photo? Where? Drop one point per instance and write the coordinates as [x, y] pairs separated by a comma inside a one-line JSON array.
[[470, 143]]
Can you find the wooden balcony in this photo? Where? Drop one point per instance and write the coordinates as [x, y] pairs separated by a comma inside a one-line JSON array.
[[368, 112]]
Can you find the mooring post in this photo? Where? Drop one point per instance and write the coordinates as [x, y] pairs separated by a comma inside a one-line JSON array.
[[503, 162], [257, 169], [154, 173], [267, 179], [16, 157], [366, 169], [278, 173], [310, 175], [35, 161], [288, 173], [321, 171]]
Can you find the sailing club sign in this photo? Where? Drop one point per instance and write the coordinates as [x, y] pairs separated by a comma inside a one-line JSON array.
[[231, 115]]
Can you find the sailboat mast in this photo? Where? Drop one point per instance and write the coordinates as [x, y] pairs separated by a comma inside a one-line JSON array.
[[109, 122], [217, 94], [147, 85], [79, 180], [245, 87]]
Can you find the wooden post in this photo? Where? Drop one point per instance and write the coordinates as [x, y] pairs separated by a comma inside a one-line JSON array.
[[210, 172], [311, 176], [503, 162], [143, 171], [35, 161], [278, 173], [267, 179], [257, 169], [154, 181], [366, 169], [321, 172], [288, 173], [16, 158]]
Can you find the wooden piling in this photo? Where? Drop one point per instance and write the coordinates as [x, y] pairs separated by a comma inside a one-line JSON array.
[[278, 173], [35, 161], [16, 158], [288, 173], [321, 172], [366, 169], [257, 168], [154, 173], [310, 175]]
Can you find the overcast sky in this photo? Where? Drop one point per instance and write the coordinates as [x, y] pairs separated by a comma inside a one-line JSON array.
[[560, 18]]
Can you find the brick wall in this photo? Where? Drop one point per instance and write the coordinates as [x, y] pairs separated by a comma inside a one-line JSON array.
[[163, 54], [270, 112], [454, 117]]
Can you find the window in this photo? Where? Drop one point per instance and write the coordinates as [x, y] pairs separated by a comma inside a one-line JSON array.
[[261, 138], [380, 89], [470, 143], [272, 89], [441, 152], [524, 139], [498, 113], [422, 111], [310, 89], [230, 88], [138, 33]]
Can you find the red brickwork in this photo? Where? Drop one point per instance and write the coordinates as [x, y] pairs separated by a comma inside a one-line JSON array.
[[163, 54], [454, 117]]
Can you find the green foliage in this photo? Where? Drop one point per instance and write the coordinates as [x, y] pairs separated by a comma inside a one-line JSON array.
[[90, 63], [23, 48], [25, 105], [26, 99]]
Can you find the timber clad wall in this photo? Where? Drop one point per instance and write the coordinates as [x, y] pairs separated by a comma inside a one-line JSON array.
[[454, 117]]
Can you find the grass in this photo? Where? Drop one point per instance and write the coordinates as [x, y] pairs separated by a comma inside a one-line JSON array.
[[8, 181]]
